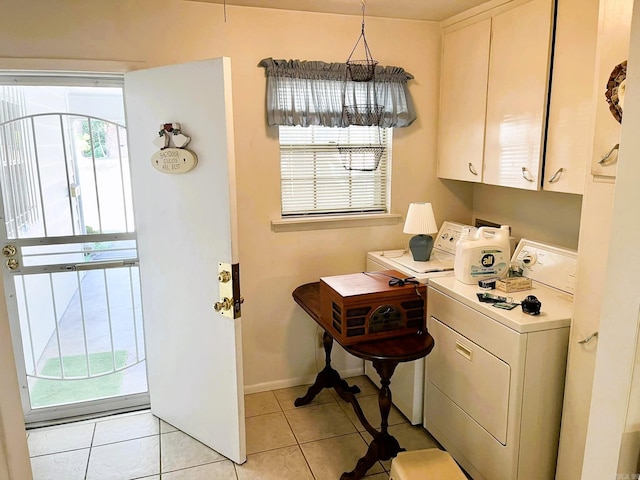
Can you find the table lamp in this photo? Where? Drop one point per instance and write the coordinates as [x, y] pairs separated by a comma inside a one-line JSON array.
[[421, 222]]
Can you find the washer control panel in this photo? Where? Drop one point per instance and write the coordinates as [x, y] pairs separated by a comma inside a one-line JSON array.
[[547, 264], [448, 237]]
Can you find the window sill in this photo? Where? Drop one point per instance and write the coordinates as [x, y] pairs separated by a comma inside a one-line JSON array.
[[323, 223]]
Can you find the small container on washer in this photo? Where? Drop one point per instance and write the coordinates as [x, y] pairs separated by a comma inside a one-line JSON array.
[[487, 283]]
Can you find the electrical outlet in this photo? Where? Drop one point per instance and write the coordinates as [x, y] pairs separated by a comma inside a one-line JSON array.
[[320, 340]]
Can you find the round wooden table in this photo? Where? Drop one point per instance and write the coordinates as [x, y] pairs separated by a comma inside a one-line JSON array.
[[385, 355]]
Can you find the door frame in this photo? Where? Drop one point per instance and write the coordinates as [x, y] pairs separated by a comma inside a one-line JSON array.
[[12, 427]]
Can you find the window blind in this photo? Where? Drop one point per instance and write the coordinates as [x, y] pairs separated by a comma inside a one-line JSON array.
[[316, 178]]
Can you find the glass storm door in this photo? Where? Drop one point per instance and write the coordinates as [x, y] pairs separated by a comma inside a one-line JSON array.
[[69, 249]]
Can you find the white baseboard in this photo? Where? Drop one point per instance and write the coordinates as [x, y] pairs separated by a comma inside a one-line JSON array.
[[294, 382]]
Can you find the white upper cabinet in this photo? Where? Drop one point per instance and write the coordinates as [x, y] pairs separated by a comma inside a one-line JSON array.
[[612, 49], [494, 91], [517, 95], [463, 101], [506, 115], [571, 108]]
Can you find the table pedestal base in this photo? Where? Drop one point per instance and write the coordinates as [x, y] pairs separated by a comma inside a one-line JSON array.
[[327, 378], [383, 446]]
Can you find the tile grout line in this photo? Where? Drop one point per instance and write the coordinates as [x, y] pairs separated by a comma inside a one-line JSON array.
[[93, 436], [56, 453], [295, 438], [159, 448]]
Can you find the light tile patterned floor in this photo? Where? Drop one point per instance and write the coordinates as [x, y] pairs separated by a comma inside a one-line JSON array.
[[315, 442]]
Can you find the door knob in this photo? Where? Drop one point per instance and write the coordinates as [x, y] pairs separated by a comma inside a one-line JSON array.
[[9, 250], [12, 264], [226, 304]]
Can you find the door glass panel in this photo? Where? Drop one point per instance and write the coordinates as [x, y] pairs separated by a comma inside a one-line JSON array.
[[102, 179], [20, 180], [83, 335], [75, 286], [53, 168]]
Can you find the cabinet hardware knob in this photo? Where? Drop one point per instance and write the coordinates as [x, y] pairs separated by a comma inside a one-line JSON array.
[[589, 338], [605, 160], [526, 176], [472, 169], [556, 176]]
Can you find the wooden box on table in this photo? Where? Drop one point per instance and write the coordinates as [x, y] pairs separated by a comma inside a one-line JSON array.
[[361, 307]]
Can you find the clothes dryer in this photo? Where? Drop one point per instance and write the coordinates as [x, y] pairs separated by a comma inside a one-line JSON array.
[[494, 381]]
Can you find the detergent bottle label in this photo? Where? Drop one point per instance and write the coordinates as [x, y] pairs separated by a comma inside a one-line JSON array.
[[491, 263]]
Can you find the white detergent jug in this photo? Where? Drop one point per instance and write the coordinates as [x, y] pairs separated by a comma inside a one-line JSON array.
[[482, 254]]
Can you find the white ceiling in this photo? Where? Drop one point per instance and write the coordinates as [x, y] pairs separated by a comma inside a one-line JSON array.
[[435, 10]]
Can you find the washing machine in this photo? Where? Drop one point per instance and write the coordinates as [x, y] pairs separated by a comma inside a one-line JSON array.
[[407, 384], [494, 381]]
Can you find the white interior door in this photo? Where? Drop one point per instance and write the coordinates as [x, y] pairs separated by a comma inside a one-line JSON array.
[[186, 226]]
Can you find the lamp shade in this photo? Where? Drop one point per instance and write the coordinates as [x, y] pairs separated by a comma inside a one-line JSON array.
[[420, 220]]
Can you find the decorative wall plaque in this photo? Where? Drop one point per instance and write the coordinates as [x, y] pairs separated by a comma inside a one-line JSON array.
[[176, 159]]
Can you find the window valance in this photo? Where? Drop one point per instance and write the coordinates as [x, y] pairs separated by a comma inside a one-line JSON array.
[[316, 93]]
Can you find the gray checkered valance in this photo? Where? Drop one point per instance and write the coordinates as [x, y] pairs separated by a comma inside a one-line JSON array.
[[307, 93]]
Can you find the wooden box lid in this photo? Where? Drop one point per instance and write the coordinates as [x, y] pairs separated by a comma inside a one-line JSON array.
[[360, 284]]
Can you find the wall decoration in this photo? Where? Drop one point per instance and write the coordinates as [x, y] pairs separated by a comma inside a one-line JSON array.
[[616, 89], [176, 158]]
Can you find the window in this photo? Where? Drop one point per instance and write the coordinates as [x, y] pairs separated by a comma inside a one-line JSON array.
[[319, 178], [335, 138]]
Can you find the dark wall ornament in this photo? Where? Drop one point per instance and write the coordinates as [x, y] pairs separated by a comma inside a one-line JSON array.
[[616, 89]]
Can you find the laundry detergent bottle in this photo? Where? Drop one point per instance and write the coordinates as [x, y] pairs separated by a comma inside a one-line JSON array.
[[481, 254]]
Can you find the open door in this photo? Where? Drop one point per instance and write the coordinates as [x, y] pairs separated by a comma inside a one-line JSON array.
[[186, 226]]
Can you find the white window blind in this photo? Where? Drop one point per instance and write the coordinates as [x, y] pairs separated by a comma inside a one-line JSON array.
[[318, 178]]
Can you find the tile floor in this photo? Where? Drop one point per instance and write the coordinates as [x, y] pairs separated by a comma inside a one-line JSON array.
[[315, 442]]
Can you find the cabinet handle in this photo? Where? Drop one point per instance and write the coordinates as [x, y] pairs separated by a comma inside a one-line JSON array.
[[526, 176], [556, 176], [589, 338], [472, 169], [605, 160], [463, 350]]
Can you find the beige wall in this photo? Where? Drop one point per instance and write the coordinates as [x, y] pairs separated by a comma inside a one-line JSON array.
[[547, 217]]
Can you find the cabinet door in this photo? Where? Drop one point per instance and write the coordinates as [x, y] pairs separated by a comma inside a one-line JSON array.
[[613, 48], [571, 108], [517, 95], [463, 96]]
